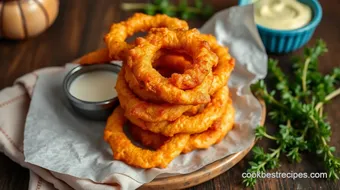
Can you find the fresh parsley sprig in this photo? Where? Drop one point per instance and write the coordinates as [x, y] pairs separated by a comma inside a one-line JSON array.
[[183, 10], [296, 107]]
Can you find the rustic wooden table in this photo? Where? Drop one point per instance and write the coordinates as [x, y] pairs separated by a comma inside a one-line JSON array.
[[80, 28]]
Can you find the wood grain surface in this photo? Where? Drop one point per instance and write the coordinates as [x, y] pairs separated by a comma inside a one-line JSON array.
[[80, 27]]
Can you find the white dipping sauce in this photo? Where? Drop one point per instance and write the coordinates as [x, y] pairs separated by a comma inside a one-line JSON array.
[[94, 86], [282, 14]]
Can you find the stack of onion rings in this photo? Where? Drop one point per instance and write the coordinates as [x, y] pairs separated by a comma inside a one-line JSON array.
[[172, 90], [213, 135], [187, 124]]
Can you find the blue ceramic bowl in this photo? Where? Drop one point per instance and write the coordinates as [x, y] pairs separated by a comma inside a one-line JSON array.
[[284, 41]]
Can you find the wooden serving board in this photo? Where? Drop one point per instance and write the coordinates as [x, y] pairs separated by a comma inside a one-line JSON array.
[[204, 174]]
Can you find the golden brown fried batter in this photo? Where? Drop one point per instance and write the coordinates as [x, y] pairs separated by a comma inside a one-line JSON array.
[[115, 39], [147, 138], [165, 61], [123, 149], [95, 57], [172, 62], [144, 110], [215, 133], [203, 140], [224, 66], [187, 124], [142, 54]]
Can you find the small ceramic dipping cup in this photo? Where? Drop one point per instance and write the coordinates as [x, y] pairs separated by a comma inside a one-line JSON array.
[[90, 90], [285, 41]]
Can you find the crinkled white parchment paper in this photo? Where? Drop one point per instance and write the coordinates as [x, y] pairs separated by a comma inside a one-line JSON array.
[[59, 140]]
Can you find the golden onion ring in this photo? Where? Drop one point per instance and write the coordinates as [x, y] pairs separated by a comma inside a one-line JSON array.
[[123, 149], [141, 56], [197, 141], [95, 57], [144, 110], [115, 39], [165, 59], [187, 124]]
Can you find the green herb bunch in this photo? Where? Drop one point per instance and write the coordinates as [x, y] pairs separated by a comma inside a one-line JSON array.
[[182, 10], [296, 107]]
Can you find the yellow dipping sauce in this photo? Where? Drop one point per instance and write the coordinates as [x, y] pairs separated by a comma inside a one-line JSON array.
[[282, 14]]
